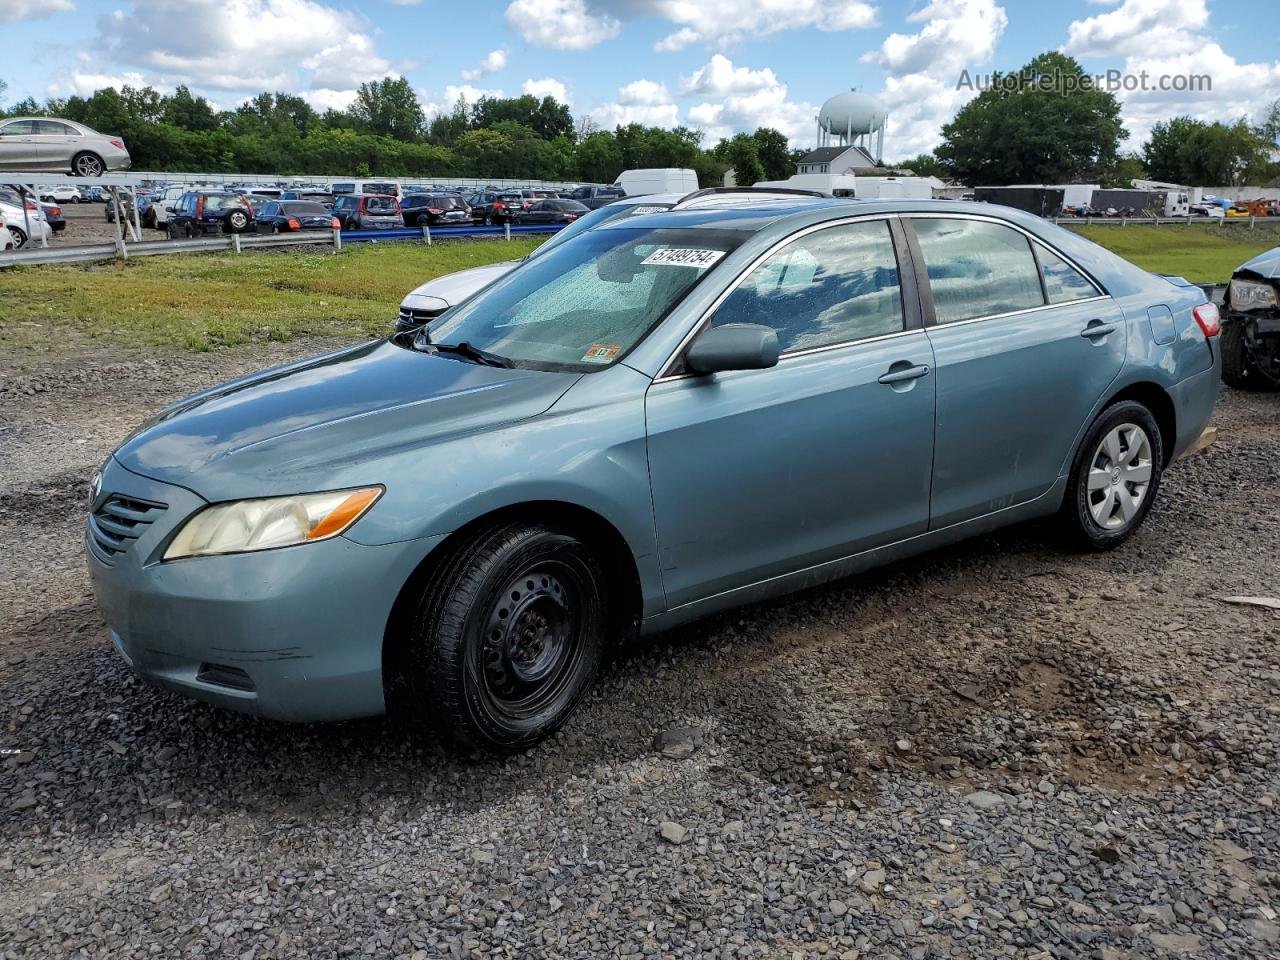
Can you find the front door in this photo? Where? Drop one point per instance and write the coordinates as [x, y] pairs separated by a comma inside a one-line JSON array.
[[18, 145], [760, 473], [1026, 346]]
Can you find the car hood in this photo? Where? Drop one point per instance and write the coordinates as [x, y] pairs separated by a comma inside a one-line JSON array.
[[327, 422], [456, 287], [1265, 265]]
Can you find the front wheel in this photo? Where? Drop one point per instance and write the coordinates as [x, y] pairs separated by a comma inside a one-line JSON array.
[[19, 237], [508, 637], [1238, 369], [1115, 477]]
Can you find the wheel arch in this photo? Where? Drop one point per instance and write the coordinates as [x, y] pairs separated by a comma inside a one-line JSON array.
[[1156, 399], [621, 571]]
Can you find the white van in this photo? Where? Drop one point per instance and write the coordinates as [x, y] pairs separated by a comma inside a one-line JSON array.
[[638, 183], [386, 188]]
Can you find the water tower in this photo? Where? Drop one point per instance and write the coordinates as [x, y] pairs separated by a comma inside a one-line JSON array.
[[853, 119]]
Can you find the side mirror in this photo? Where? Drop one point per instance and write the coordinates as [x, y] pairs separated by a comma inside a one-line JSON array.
[[734, 346]]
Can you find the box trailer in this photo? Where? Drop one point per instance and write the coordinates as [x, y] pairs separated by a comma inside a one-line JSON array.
[[638, 183]]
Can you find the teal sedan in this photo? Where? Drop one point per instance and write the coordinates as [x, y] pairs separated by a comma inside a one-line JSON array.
[[663, 417]]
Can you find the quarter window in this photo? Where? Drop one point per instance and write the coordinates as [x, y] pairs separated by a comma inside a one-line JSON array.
[[834, 286], [1062, 282], [977, 268]]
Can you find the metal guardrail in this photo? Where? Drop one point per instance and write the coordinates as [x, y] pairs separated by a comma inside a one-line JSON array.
[[237, 242], [1157, 221]]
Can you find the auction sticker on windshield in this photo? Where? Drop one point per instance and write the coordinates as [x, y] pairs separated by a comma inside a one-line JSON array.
[[682, 257], [601, 352]]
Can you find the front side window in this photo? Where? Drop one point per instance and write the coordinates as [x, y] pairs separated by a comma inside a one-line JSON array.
[[833, 286], [977, 268], [584, 305], [18, 128], [1062, 282]]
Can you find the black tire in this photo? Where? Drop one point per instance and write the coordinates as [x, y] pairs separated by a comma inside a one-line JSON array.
[[507, 637], [172, 231], [87, 165], [19, 237], [1078, 508], [1238, 369]]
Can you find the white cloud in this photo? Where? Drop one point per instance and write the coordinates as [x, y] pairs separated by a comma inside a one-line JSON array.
[[724, 22], [742, 99], [1169, 26], [641, 101], [15, 11], [547, 87], [560, 24], [921, 69], [220, 45], [494, 61], [1172, 40]]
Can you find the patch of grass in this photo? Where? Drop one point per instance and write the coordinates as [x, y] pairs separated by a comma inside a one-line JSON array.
[[1199, 252], [200, 301]]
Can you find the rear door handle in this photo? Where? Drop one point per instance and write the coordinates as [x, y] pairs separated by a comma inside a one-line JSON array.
[[898, 373], [1096, 329]]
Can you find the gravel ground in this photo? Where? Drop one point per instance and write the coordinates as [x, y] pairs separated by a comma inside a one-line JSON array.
[[996, 750]]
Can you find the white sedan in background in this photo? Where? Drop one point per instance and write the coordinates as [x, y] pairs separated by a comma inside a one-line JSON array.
[[22, 227]]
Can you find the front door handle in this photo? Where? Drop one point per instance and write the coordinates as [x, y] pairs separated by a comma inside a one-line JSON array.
[[902, 371], [1096, 329]]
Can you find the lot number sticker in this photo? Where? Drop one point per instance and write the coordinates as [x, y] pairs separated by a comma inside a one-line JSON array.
[[683, 257], [601, 353]]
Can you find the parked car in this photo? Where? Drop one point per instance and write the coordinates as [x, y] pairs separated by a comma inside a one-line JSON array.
[[289, 216], [199, 212], [495, 207], [316, 196], [162, 206], [7, 240], [53, 216], [47, 143], [360, 211], [126, 207], [59, 194], [382, 188], [1251, 324], [434, 209], [24, 220], [92, 194], [552, 211], [272, 546], [593, 196], [427, 301]]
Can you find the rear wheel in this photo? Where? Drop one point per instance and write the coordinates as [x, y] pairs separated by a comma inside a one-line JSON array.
[[19, 237], [87, 165], [508, 637], [1115, 477]]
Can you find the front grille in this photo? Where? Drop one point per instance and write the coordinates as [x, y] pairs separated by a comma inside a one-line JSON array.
[[409, 319], [118, 522]]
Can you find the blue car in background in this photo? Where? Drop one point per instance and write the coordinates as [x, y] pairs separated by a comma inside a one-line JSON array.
[[662, 417]]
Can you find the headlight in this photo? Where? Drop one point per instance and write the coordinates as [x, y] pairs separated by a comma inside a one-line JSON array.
[[245, 525], [1247, 295]]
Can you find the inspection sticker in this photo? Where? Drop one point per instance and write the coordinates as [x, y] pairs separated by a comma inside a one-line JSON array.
[[683, 257], [601, 353]]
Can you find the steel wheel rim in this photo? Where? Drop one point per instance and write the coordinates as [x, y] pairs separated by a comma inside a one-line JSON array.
[[533, 641], [1119, 476]]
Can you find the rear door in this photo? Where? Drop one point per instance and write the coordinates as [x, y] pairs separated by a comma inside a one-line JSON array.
[[57, 143], [1026, 345], [759, 473]]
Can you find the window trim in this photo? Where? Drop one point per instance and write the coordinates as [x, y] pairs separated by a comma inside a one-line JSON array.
[[926, 291], [912, 308]]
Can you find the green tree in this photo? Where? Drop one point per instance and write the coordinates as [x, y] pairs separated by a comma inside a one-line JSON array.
[[924, 165], [1126, 168], [182, 109], [599, 158], [742, 154], [1199, 153], [1043, 124], [775, 157], [389, 108]]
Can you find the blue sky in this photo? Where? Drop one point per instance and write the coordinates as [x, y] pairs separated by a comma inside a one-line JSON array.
[[719, 65]]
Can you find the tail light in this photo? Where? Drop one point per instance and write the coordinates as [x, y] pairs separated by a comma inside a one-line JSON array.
[[335, 223], [199, 206], [294, 224], [1207, 316], [499, 205], [434, 211], [117, 143], [56, 211]]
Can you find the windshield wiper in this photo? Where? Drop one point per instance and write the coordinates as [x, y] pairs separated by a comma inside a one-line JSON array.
[[462, 349]]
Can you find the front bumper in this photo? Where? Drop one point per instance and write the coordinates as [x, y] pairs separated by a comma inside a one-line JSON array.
[[290, 634]]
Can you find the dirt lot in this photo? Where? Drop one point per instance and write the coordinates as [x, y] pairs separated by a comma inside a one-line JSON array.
[[996, 750]]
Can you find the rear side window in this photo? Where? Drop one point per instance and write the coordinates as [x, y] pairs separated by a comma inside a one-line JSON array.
[[977, 269], [53, 128], [1062, 282], [833, 286]]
